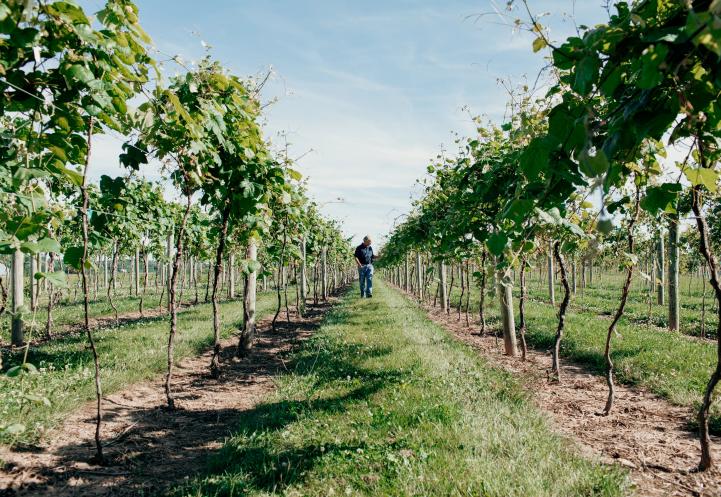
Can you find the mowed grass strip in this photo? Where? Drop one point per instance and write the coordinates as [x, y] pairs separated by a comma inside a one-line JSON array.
[[381, 401], [128, 353], [602, 297], [669, 364], [69, 312], [666, 363]]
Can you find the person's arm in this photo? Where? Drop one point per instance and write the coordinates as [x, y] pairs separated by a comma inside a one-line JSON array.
[[357, 260]]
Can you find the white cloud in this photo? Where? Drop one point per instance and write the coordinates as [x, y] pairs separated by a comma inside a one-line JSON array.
[[373, 88]]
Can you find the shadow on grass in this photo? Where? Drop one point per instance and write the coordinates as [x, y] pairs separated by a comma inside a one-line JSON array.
[[253, 460], [160, 449], [260, 465]]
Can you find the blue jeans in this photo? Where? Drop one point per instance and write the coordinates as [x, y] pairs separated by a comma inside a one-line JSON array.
[[365, 275]]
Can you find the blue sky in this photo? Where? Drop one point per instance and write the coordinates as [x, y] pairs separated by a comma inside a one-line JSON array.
[[373, 88]]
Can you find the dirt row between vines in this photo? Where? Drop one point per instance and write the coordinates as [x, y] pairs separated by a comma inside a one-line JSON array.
[[644, 433], [148, 447]]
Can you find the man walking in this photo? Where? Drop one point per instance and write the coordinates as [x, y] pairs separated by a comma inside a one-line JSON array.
[[364, 259]]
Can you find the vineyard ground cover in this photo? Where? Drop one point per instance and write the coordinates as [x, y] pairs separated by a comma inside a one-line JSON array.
[[668, 364], [65, 316], [129, 353], [644, 433], [150, 448], [65, 319], [601, 297], [381, 401], [68, 311]]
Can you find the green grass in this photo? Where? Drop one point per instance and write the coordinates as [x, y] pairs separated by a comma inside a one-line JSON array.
[[665, 363], [601, 297], [69, 311], [669, 364], [128, 353], [381, 401]]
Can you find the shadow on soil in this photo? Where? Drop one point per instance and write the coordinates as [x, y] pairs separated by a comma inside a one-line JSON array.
[[162, 449], [594, 362], [256, 464]]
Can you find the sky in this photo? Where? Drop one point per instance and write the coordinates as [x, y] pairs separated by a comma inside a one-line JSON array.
[[367, 93]]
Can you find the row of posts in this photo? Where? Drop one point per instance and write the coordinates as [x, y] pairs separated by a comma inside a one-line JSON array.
[[659, 274], [504, 293], [504, 285], [17, 272]]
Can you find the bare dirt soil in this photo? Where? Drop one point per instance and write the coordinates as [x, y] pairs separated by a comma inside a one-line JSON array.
[[644, 432], [148, 447]]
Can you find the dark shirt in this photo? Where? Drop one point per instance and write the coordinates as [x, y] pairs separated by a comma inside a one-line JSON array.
[[364, 254]]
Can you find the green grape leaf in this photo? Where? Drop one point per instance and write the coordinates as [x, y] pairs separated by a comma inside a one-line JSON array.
[[661, 198], [497, 243], [593, 165], [25, 368], [57, 278], [73, 257], [535, 158], [703, 176], [75, 73], [586, 74]]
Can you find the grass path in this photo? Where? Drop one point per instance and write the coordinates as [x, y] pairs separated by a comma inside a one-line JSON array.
[[149, 448], [381, 401]]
